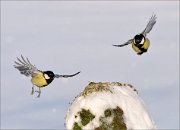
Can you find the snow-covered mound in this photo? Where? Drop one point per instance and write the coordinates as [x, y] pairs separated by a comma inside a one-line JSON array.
[[108, 106]]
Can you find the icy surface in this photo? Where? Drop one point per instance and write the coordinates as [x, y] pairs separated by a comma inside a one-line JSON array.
[[110, 95]]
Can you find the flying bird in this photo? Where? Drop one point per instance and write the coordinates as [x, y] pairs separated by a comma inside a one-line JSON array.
[[140, 43], [38, 78]]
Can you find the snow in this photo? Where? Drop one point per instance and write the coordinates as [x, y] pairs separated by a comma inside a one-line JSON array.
[[124, 96]]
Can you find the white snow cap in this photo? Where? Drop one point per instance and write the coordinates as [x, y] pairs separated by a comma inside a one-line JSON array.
[[108, 106]]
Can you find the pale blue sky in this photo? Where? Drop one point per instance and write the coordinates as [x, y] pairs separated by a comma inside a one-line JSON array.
[[66, 37]]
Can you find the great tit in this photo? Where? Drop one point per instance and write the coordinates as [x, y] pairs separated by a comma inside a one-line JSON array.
[[140, 43], [39, 78]]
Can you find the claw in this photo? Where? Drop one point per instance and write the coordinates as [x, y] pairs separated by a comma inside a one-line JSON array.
[[39, 93]]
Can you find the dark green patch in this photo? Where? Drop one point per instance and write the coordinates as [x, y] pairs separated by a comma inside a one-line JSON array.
[[117, 122], [103, 124], [76, 126], [118, 112], [86, 116], [95, 87], [107, 112]]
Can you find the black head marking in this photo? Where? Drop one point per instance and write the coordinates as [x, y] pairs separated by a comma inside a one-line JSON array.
[[138, 38], [49, 76]]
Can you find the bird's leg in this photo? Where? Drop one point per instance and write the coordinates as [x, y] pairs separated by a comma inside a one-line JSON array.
[[32, 92], [38, 92]]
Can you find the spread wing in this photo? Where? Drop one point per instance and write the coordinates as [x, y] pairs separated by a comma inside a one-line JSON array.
[[66, 76], [25, 67], [127, 43], [150, 25]]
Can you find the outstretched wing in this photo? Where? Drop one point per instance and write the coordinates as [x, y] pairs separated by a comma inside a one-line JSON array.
[[127, 43], [65, 76], [150, 25], [25, 67]]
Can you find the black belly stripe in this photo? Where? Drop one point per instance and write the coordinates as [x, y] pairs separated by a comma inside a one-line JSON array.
[[142, 49]]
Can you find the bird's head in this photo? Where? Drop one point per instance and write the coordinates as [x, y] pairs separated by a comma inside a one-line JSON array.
[[139, 40], [49, 76]]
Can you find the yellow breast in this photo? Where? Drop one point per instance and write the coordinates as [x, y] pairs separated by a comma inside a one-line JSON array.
[[135, 48], [145, 46], [39, 80]]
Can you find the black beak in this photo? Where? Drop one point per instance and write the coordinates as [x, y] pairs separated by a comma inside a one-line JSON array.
[[137, 41]]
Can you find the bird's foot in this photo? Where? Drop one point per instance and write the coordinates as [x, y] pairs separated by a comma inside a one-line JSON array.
[[38, 94]]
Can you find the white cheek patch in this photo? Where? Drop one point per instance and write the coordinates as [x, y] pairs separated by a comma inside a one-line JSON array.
[[142, 41], [46, 76]]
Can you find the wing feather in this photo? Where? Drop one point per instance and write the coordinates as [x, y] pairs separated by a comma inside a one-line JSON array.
[[150, 25], [25, 67]]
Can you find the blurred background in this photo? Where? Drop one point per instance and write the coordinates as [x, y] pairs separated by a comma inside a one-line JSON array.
[[72, 36]]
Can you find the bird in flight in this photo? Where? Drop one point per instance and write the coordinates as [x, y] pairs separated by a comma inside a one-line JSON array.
[[140, 43], [38, 78]]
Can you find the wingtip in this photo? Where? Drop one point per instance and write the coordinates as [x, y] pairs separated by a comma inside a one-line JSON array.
[[118, 45], [154, 16], [22, 56], [78, 72], [115, 45]]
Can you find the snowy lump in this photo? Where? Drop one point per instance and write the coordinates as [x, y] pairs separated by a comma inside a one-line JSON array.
[[108, 106]]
